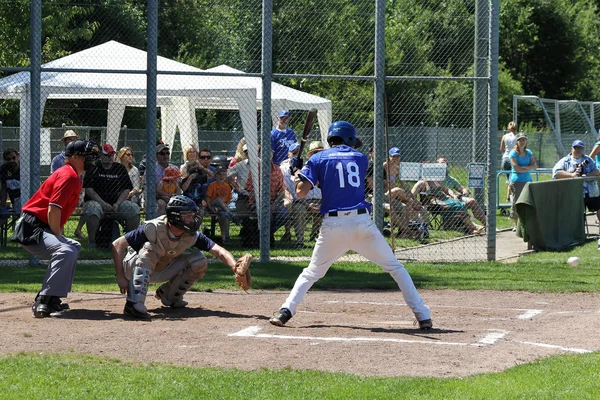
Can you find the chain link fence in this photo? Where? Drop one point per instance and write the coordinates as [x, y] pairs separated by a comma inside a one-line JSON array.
[[417, 80]]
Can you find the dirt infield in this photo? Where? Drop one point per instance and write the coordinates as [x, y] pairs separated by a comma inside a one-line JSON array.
[[364, 333]]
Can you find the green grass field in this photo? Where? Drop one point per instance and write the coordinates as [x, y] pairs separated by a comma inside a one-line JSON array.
[[28, 376]]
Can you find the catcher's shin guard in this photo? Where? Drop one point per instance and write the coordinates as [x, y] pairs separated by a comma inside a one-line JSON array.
[[138, 287], [171, 293]]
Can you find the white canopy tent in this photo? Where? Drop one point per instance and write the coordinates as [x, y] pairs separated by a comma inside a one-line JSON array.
[[177, 95]]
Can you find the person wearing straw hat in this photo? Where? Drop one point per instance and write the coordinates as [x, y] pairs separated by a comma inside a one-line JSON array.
[[59, 160]]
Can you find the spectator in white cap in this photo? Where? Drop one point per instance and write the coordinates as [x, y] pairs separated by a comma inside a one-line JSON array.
[[577, 164], [59, 160], [282, 137], [239, 152]]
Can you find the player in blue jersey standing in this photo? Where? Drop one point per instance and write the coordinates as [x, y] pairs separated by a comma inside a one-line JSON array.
[[282, 137], [340, 173]]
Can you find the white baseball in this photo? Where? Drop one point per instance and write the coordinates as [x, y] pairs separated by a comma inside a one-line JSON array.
[[573, 261]]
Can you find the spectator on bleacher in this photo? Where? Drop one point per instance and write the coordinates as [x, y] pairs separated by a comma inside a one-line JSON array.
[[10, 183], [163, 157], [454, 190], [300, 209], [169, 184], [404, 206], [194, 185], [200, 174], [125, 156], [40, 228], [571, 166], [237, 176], [395, 210], [190, 155], [239, 152], [282, 137], [204, 158], [106, 190], [522, 162], [507, 144], [59, 160], [279, 214], [218, 197], [142, 165]]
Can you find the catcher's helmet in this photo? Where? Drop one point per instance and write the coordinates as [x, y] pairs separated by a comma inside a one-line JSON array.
[[343, 130], [176, 207], [82, 148], [89, 150], [171, 173]]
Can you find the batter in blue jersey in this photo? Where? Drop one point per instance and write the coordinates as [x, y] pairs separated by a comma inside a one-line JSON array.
[[282, 137], [340, 173]]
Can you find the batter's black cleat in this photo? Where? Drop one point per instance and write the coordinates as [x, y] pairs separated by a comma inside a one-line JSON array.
[[134, 313], [426, 324], [281, 317], [57, 305]]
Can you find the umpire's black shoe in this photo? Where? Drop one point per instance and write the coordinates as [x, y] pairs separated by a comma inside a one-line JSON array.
[[281, 317], [133, 312], [41, 308]]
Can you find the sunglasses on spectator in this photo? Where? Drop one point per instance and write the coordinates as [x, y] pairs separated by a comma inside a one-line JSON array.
[[164, 153], [14, 158], [129, 154], [205, 157]]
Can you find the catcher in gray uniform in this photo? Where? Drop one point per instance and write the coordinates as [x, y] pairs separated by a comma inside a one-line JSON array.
[[155, 253]]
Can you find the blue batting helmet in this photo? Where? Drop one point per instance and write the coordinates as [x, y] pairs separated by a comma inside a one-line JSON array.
[[343, 130]]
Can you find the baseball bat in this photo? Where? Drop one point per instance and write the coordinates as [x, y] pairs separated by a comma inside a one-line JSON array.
[[310, 120]]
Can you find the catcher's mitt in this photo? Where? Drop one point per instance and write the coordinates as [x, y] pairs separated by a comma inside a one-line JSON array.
[[242, 272]]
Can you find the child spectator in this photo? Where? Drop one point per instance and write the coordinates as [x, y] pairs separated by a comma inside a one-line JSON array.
[[218, 196], [169, 185]]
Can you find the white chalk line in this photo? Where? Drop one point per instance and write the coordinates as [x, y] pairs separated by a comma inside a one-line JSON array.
[[253, 331], [493, 337], [527, 314], [552, 346]]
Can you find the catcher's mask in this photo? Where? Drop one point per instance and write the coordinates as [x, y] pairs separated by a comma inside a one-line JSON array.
[[87, 149], [183, 214]]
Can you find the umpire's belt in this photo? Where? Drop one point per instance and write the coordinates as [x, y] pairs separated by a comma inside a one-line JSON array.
[[347, 213]]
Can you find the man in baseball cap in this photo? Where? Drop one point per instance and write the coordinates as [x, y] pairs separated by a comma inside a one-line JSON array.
[[282, 137], [577, 143], [577, 164], [108, 150], [59, 160]]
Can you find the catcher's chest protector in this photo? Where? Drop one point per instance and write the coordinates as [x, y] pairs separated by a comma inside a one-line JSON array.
[[161, 249]]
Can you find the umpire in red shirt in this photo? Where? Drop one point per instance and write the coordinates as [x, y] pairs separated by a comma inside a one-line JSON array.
[[40, 228]]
